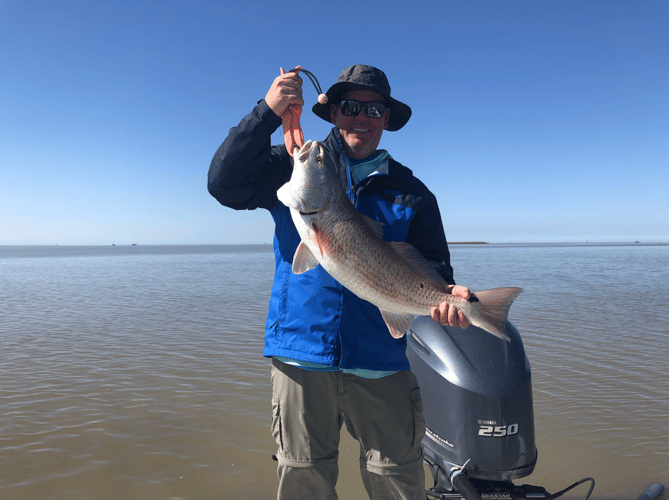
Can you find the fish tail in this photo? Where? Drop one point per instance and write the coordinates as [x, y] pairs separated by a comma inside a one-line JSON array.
[[494, 309]]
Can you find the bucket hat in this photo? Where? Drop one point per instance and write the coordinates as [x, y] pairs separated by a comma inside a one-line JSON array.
[[362, 77]]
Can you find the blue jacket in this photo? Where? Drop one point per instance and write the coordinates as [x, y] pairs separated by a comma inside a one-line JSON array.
[[311, 316]]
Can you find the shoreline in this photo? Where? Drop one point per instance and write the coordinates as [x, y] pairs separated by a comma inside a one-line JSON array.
[[145, 245], [471, 243]]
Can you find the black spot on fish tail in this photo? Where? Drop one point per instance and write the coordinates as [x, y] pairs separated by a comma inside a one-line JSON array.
[[473, 298]]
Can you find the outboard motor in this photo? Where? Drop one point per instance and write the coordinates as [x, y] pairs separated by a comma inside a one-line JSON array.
[[479, 417], [477, 400]]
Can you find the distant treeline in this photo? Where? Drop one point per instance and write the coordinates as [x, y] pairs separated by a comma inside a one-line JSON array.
[[468, 243]]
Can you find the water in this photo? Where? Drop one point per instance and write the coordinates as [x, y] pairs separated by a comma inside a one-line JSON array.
[[136, 372]]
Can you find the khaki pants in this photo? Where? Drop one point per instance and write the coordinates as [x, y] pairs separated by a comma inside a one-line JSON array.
[[384, 415]]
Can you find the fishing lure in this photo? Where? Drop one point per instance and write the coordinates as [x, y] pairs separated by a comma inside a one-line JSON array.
[[290, 119]]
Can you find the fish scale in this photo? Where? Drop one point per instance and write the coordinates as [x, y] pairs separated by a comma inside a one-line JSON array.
[[391, 275], [394, 282]]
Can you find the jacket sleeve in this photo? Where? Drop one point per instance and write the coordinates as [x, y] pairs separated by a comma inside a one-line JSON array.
[[247, 170]]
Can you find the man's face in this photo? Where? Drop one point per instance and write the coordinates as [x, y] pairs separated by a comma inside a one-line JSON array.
[[361, 134]]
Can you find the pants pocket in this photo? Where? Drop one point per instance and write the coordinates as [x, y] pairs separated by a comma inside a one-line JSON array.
[[276, 425], [419, 422]]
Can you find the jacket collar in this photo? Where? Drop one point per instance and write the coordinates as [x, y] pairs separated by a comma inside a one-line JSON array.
[[334, 143]]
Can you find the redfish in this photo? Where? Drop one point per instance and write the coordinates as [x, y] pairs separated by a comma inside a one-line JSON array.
[[393, 276]]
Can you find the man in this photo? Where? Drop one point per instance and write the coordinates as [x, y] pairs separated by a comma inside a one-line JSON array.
[[333, 360]]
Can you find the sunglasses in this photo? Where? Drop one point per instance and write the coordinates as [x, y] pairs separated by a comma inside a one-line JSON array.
[[372, 109]]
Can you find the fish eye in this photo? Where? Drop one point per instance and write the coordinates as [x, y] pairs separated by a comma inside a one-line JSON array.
[[319, 159]]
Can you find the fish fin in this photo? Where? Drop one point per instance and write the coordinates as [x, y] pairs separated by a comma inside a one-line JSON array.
[[374, 225], [417, 262], [494, 309], [303, 260], [398, 324]]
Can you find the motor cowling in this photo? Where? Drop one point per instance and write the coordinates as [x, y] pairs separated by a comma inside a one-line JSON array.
[[477, 400]]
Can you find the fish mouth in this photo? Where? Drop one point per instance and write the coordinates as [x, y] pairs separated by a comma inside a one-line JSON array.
[[303, 153], [309, 213]]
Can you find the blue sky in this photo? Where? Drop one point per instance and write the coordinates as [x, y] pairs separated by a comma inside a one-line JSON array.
[[533, 121]]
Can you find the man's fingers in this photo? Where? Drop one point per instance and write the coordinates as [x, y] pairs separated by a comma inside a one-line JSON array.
[[463, 322], [453, 316], [461, 291], [446, 314]]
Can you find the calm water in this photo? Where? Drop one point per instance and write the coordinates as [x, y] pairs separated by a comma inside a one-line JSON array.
[[136, 372]]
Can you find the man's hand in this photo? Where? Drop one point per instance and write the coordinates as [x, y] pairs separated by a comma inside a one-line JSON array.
[[447, 314], [285, 90]]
